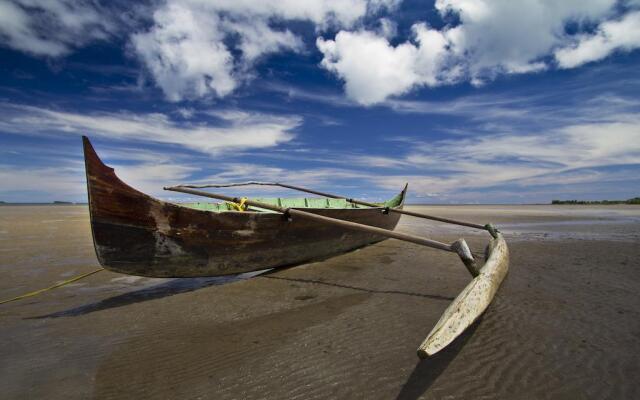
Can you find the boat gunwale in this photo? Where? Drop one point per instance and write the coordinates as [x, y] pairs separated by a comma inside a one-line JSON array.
[[381, 208]]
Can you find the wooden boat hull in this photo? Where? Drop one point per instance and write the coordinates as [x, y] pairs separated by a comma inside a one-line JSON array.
[[136, 234]]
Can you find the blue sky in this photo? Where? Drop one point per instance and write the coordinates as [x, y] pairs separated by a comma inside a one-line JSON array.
[[488, 101]]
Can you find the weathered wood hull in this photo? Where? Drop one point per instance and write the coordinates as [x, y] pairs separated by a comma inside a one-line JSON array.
[[136, 234]]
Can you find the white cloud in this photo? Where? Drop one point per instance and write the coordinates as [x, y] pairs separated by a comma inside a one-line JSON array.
[[623, 34], [238, 172], [511, 36], [258, 39], [185, 113], [151, 177], [476, 108], [453, 166], [201, 48], [387, 28], [237, 130], [197, 48], [225, 133], [376, 161], [518, 164], [64, 181], [192, 48], [388, 70], [490, 37], [185, 53], [52, 27], [461, 168]]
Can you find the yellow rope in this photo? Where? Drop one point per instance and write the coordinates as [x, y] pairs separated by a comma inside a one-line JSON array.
[[57, 285], [239, 206]]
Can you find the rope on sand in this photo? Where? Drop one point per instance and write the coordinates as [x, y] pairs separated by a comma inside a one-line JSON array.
[[57, 285]]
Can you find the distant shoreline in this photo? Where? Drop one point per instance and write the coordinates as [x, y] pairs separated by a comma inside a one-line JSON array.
[[635, 200]]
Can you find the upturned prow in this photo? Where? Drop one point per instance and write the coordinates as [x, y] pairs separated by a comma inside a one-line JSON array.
[[91, 159]]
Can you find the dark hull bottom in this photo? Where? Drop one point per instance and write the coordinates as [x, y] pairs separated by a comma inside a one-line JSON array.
[[152, 254]]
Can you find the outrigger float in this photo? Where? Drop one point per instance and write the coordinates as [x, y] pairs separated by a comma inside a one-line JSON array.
[[136, 234]]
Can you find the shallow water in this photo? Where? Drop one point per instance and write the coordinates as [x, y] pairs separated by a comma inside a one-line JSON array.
[[610, 223]]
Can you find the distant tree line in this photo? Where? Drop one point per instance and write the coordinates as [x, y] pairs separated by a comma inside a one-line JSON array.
[[635, 200]]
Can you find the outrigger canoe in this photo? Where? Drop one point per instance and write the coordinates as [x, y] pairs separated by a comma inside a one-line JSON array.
[[136, 234]]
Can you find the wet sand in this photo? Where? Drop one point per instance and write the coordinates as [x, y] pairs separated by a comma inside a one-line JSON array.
[[565, 324]]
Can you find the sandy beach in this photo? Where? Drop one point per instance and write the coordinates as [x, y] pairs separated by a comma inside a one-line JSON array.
[[565, 324]]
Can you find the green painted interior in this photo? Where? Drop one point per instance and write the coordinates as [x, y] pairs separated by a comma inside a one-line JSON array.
[[300, 202]]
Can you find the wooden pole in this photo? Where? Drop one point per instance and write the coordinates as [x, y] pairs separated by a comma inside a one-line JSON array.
[[460, 247]]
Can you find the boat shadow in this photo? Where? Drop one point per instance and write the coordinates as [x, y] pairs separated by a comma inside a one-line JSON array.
[[184, 285], [427, 371], [358, 288], [164, 289]]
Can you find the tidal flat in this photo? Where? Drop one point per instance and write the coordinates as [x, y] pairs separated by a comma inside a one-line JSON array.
[[564, 325]]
